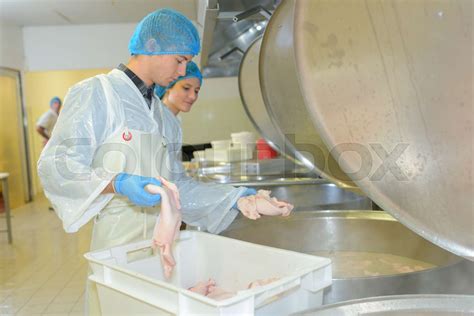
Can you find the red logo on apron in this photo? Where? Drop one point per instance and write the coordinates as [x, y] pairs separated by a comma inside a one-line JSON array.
[[127, 136]]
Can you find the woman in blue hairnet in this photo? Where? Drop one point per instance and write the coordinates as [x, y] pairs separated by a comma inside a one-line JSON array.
[[180, 95]]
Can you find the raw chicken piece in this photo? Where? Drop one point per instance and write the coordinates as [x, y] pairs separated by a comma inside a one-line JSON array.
[[248, 206], [262, 282], [203, 287], [211, 290], [267, 205], [167, 224], [261, 203], [208, 288], [218, 293]]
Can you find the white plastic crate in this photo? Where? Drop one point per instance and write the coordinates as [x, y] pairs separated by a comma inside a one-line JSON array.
[[130, 280]]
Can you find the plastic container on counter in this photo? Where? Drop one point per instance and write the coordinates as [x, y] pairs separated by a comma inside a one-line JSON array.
[[221, 144], [264, 151]]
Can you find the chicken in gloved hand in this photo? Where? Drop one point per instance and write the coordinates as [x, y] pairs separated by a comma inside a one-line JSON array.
[[262, 203], [167, 224]]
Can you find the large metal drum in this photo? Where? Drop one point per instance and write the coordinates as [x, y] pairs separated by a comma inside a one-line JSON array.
[[304, 193], [285, 107], [251, 95], [389, 87], [403, 305], [372, 253]]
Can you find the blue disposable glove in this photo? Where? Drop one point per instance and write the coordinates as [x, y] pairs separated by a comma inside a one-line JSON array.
[[247, 192], [133, 187]]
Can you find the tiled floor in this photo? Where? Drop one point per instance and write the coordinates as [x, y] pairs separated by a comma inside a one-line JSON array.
[[43, 272]]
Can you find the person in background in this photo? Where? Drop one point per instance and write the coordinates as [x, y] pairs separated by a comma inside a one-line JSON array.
[[46, 122]]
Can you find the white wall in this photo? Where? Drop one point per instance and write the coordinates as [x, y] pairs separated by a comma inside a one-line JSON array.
[[11, 47], [217, 113], [76, 46]]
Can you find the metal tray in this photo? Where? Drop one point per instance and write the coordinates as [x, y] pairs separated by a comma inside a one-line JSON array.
[[403, 305], [388, 85]]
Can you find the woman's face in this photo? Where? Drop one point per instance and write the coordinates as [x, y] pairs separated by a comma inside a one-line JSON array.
[[181, 97]]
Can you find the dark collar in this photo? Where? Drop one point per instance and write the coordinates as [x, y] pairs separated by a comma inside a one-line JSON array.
[[147, 92]]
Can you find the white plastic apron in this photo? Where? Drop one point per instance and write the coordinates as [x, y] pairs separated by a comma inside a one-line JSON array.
[[121, 222]]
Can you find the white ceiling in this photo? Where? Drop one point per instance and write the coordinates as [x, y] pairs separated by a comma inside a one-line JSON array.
[[69, 12]]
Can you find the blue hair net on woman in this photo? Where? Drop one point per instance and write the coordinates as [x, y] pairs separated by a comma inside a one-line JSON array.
[[55, 99], [192, 71], [165, 32]]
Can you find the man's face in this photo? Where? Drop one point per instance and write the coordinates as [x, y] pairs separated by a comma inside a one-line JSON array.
[[56, 106], [167, 68]]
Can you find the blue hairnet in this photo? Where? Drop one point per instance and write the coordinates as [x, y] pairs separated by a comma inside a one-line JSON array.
[[192, 71], [55, 99], [165, 32]]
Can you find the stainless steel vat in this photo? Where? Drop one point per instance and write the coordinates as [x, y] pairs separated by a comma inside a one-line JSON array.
[[402, 305], [285, 107], [251, 95], [376, 232], [304, 193], [389, 87]]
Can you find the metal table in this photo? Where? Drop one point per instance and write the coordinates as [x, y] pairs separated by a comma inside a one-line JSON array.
[[4, 179]]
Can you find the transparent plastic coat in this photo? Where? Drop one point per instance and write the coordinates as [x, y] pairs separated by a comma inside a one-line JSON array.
[[73, 176]]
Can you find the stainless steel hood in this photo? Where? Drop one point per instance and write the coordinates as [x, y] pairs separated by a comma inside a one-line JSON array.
[[227, 36]]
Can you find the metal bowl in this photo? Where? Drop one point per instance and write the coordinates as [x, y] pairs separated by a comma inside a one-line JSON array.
[[395, 77], [403, 305], [368, 235], [304, 193]]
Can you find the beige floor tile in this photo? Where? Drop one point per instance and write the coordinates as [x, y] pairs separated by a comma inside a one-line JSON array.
[[33, 308], [15, 301], [59, 308], [44, 267], [46, 300], [65, 299], [27, 314], [6, 310], [79, 306]]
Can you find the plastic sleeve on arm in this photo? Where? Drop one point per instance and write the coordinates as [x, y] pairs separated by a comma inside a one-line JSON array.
[[206, 205], [70, 183]]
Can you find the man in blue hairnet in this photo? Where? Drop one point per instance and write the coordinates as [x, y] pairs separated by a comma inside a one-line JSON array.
[[46, 122], [111, 140], [115, 136]]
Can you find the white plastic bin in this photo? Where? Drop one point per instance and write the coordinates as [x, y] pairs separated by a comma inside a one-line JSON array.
[[130, 280]]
